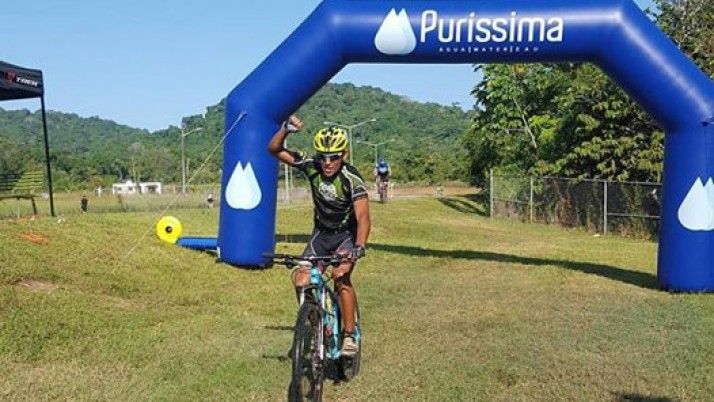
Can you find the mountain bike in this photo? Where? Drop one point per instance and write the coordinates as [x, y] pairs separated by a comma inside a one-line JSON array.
[[317, 340]]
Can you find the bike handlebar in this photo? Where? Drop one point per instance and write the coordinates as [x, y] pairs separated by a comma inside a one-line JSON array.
[[291, 261]]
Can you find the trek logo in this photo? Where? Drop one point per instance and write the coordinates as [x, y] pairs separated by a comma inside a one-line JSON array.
[[27, 81], [12, 77], [396, 35]]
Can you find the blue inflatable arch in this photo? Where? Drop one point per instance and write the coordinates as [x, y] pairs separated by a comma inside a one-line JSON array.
[[613, 34]]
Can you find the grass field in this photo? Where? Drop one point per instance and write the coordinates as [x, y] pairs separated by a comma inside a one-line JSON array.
[[67, 203], [455, 306]]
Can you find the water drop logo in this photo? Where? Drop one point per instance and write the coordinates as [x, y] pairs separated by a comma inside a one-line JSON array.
[[243, 190], [396, 35], [697, 210]]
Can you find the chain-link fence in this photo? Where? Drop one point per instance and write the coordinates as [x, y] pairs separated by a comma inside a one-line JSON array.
[[630, 208]]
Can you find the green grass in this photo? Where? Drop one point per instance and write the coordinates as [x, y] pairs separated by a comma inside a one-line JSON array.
[[68, 203], [455, 306]]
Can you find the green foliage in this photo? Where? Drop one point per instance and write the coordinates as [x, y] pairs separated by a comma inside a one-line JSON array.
[[426, 147], [571, 120], [89, 152], [690, 23], [564, 120], [603, 133], [85, 152]]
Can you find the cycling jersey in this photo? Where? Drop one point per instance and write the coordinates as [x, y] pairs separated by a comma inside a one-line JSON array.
[[333, 196], [383, 171]]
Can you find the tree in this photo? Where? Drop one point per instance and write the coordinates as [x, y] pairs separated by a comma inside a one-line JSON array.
[[571, 120], [517, 118], [690, 23], [88, 147], [136, 152], [564, 120]]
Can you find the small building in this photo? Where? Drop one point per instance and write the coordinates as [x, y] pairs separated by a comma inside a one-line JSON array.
[[131, 188], [126, 188], [153, 187]]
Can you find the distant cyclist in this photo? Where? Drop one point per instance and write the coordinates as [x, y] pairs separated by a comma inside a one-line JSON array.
[[341, 218], [382, 173]]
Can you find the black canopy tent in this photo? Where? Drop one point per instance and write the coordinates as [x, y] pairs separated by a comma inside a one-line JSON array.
[[23, 83]]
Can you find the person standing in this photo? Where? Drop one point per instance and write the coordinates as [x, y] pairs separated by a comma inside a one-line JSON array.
[[209, 199], [84, 203]]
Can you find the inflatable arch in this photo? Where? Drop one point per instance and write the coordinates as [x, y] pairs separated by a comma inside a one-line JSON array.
[[613, 34]]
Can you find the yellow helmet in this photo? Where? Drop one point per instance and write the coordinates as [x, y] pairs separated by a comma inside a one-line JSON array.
[[330, 139]]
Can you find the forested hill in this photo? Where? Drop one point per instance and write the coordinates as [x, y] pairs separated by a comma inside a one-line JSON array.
[[94, 151]]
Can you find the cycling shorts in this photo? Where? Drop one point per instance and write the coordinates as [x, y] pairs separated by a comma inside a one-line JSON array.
[[323, 242]]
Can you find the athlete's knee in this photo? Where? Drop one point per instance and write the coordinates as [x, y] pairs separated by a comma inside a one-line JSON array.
[[342, 278], [300, 277], [343, 282]]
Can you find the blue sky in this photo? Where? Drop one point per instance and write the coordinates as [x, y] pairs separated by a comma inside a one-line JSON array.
[[147, 64]]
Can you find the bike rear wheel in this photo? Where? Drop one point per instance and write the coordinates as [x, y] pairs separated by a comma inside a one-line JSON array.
[[307, 370]]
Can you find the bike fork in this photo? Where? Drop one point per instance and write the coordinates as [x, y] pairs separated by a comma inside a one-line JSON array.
[[332, 326], [324, 319]]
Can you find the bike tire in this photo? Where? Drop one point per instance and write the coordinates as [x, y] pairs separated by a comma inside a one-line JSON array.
[[307, 368], [383, 195], [350, 366]]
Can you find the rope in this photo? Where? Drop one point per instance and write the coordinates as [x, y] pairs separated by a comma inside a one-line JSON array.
[[173, 201]]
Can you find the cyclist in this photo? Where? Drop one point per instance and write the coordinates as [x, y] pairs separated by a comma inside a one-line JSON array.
[[341, 217], [382, 173]]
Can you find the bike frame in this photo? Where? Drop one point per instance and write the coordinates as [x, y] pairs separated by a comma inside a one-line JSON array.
[[330, 320]]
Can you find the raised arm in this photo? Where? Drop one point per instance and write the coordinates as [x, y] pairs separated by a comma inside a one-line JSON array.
[[276, 146]]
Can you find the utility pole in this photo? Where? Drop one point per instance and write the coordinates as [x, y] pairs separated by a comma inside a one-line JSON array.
[[183, 155], [349, 130], [376, 147]]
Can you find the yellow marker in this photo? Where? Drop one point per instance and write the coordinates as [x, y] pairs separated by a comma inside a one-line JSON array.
[[169, 229]]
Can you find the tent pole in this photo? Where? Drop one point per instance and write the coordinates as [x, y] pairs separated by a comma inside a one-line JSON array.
[[47, 156]]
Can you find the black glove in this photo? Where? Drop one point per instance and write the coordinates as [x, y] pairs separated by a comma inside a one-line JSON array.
[[357, 253]]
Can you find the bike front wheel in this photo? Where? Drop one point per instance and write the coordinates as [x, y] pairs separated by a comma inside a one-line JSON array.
[[349, 366], [308, 367]]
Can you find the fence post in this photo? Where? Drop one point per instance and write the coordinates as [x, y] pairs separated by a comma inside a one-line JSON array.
[[604, 207], [490, 192], [530, 201]]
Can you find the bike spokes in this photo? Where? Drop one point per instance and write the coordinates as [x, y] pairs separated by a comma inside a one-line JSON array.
[[307, 375]]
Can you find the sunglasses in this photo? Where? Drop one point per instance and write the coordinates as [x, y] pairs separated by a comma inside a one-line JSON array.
[[329, 157]]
